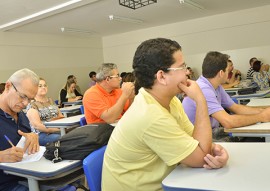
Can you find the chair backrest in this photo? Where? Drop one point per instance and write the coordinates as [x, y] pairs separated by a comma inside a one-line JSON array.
[[83, 121], [92, 166], [235, 100], [82, 109]]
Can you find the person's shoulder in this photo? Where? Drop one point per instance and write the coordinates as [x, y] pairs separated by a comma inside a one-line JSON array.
[[94, 90], [63, 90]]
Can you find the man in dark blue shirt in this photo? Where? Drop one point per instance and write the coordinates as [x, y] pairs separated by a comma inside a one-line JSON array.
[[20, 89]]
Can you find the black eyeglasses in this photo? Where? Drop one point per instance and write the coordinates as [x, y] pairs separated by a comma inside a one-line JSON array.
[[22, 96]]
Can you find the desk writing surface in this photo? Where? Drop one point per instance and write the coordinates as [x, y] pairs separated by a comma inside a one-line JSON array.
[[41, 169], [78, 102], [70, 108], [232, 89], [257, 94], [69, 121], [247, 169], [256, 128], [260, 102]]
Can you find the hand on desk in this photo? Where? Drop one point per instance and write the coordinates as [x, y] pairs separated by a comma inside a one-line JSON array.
[[218, 159], [78, 98], [31, 142], [13, 154]]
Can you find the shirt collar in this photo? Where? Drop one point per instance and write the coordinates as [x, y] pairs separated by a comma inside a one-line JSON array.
[[5, 114], [104, 92], [206, 81]]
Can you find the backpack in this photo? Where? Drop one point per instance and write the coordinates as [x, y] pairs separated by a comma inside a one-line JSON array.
[[79, 143]]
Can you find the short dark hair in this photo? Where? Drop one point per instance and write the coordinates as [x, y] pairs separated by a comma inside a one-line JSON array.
[[214, 62], [150, 57], [252, 60], [70, 77], [129, 77], [257, 65], [122, 75], [91, 74]]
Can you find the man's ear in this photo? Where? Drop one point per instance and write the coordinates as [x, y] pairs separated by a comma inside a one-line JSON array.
[[221, 73], [8, 85], [161, 77]]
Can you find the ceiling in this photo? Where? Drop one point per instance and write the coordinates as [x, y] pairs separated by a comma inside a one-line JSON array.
[[93, 15]]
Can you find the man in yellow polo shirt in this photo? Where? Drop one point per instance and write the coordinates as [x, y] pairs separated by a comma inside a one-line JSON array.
[[105, 101], [155, 134]]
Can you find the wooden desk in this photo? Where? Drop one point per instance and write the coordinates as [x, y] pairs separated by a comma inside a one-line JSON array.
[[70, 109], [256, 130], [44, 170], [260, 102], [64, 123], [247, 169]]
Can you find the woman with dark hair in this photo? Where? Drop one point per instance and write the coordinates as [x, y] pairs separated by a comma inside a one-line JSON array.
[[260, 76]]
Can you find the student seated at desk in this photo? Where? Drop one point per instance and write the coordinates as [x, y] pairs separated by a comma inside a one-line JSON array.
[[251, 71], [20, 88], [43, 109], [74, 78], [106, 102], [260, 76], [69, 93], [155, 135], [234, 76], [214, 74]]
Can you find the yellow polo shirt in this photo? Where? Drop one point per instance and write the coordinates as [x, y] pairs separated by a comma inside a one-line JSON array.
[[146, 145]]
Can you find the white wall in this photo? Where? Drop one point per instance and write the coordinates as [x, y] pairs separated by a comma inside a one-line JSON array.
[[52, 57], [242, 35]]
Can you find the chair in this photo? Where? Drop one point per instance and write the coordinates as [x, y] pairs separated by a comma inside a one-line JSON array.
[[56, 102], [235, 100], [82, 109], [92, 166], [83, 121]]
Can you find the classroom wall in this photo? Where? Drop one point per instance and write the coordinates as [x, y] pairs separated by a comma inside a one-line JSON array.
[[52, 57], [242, 35]]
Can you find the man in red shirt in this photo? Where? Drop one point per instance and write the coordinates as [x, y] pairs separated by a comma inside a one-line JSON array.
[[106, 102]]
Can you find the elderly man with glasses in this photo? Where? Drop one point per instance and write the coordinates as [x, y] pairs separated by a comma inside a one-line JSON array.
[[106, 102], [20, 89]]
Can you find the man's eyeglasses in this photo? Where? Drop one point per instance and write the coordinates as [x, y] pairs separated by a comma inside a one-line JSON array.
[[40, 86], [22, 96], [183, 67], [115, 76]]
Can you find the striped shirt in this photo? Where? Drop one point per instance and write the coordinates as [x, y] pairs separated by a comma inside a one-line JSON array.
[[250, 73]]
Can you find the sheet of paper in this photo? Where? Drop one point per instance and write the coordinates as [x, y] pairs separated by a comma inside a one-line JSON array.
[[32, 157]]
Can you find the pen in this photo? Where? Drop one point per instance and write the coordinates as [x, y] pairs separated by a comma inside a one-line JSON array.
[[9, 141]]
